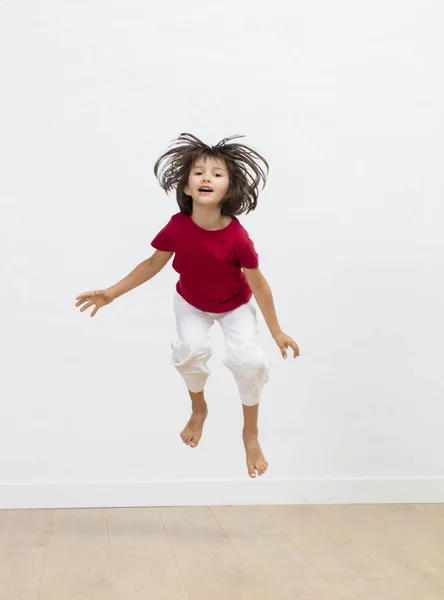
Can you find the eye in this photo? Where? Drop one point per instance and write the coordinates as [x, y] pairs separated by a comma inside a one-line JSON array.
[[200, 173]]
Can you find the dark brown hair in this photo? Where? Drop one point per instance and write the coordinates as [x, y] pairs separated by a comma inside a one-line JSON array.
[[244, 173]]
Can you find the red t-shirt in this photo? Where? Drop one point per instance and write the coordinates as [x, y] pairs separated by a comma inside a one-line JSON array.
[[209, 262]]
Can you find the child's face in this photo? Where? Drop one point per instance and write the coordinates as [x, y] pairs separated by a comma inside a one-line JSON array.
[[208, 172]]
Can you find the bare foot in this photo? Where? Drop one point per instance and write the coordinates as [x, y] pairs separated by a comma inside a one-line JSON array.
[[193, 429], [255, 457]]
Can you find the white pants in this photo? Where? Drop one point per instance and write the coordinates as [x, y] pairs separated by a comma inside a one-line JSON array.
[[244, 357]]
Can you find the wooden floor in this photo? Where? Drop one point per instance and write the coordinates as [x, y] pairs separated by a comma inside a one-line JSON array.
[[371, 552]]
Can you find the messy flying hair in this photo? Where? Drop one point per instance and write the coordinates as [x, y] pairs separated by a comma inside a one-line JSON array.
[[245, 174]]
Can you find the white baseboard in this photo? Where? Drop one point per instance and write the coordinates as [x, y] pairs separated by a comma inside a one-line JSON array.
[[221, 492]]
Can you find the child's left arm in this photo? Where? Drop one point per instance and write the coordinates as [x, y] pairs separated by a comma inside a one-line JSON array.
[[264, 298]]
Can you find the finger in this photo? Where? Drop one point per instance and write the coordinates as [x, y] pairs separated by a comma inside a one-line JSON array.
[[94, 311], [82, 301], [86, 306], [292, 344], [295, 348], [85, 295]]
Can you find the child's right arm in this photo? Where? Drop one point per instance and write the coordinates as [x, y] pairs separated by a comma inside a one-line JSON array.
[[141, 274]]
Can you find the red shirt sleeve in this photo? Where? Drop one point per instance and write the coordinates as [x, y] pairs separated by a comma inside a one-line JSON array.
[[246, 251], [165, 239]]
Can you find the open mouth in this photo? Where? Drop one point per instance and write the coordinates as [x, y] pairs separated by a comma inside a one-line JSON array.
[[205, 190]]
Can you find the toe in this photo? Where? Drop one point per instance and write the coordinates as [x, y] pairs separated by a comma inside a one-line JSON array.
[[261, 468], [251, 471]]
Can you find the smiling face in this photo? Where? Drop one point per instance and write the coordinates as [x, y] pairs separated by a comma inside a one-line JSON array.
[[209, 173]]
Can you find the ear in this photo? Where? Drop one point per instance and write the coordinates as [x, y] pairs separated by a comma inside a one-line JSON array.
[[186, 190]]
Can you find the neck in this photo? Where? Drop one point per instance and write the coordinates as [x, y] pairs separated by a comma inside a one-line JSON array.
[[209, 217]]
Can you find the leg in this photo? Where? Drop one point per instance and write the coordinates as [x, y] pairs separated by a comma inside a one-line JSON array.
[[249, 366], [193, 429], [190, 356], [255, 458]]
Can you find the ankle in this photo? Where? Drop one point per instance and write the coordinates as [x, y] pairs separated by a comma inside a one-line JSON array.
[[199, 408], [198, 403], [250, 432]]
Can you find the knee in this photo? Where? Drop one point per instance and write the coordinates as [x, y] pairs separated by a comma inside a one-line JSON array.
[[250, 368], [186, 353], [249, 360]]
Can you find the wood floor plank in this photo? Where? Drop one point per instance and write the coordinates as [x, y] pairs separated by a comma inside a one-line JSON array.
[[79, 525], [275, 566], [434, 511], [142, 563], [25, 528], [77, 558], [24, 536], [20, 571], [355, 552], [210, 568], [344, 566], [418, 525], [392, 550]]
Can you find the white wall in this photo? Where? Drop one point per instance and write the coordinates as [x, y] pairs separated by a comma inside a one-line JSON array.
[[345, 100]]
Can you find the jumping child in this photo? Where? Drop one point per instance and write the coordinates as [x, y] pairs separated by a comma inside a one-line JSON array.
[[219, 273]]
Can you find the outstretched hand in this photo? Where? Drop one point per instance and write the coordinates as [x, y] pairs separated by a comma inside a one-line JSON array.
[[284, 341], [99, 298]]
